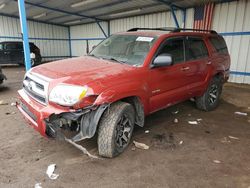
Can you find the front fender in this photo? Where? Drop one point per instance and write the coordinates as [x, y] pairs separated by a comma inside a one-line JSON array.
[[123, 91]]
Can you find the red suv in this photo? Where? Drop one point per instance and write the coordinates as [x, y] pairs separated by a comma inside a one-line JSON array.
[[126, 77]]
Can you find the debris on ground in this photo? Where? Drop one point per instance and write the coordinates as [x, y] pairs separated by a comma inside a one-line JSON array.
[[3, 103], [39, 150], [147, 131], [208, 132], [225, 140], [175, 112], [50, 172], [189, 115], [10, 113], [217, 161], [176, 120], [38, 185], [241, 113], [233, 137], [181, 142], [199, 119], [84, 150], [133, 148], [140, 145], [193, 122], [13, 104]]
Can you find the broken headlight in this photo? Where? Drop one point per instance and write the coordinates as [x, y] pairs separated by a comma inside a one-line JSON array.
[[67, 95]]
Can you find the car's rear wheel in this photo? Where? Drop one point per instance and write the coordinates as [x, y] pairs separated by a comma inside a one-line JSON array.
[[115, 129], [210, 99]]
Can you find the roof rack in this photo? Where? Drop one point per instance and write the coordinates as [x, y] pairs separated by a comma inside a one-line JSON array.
[[172, 29]]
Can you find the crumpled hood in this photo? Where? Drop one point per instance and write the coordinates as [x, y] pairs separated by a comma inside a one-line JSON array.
[[81, 70]]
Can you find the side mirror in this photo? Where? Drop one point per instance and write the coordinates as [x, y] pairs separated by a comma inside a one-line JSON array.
[[162, 60]]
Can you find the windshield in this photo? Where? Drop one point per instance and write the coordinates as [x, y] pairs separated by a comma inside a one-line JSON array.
[[128, 49]]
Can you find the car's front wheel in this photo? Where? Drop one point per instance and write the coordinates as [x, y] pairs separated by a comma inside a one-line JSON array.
[[210, 99], [115, 129]]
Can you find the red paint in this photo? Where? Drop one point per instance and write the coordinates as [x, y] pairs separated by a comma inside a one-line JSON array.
[[157, 88]]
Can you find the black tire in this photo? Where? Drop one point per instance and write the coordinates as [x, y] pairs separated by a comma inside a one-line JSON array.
[[110, 129], [210, 99]]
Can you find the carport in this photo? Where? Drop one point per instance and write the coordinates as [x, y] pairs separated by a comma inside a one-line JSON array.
[[76, 19], [212, 153]]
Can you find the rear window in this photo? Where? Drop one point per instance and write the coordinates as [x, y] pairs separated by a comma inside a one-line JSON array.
[[196, 48], [219, 44]]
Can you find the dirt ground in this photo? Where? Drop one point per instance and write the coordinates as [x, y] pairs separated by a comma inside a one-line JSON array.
[[25, 155]]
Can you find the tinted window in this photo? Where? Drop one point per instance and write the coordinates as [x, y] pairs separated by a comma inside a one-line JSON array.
[[196, 49], [10, 46], [19, 46], [174, 47], [219, 44]]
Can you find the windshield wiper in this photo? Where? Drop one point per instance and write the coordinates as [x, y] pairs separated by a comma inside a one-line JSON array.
[[116, 60]]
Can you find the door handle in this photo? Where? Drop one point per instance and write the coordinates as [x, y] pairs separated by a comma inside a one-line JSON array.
[[185, 68]]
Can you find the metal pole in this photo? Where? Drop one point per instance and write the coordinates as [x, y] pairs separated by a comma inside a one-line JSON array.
[[174, 16], [23, 22], [70, 47]]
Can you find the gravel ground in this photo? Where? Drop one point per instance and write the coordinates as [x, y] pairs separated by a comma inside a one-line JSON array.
[[180, 154]]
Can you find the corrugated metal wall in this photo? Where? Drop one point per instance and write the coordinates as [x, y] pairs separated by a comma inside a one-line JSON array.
[[52, 40], [233, 21], [83, 33]]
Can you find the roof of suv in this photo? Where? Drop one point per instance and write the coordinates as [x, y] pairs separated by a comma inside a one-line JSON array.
[[157, 32]]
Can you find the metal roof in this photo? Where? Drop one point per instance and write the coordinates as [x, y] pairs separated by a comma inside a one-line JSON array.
[[61, 12]]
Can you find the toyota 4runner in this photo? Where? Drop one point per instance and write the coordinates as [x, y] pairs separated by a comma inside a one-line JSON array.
[[126, 77]]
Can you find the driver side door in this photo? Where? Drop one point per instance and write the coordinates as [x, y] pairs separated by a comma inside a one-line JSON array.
[[168, 85]]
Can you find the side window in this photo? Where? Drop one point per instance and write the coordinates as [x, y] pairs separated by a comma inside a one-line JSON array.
[[174, 47], [1, 46], [219, 44], [20, 46], [196, 48], [10, 46]]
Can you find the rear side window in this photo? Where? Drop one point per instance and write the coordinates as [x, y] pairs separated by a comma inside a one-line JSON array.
[[174, 47], [196, 48], [219, 44]]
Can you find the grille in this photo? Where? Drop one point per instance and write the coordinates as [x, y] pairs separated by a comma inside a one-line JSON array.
[[36, 86]]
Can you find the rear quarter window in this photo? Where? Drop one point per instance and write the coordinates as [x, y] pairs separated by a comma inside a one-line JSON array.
[[196, 48], [219, 44]]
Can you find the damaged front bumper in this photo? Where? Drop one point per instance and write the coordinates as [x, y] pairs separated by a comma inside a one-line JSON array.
[[56, 123]]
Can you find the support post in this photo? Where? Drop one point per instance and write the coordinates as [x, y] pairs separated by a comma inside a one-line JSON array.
[[101, 29], [23, 23], [184, 12], [174, 16], [70, 47], [108, 28]]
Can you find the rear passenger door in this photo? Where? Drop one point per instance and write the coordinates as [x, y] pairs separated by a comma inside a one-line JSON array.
[[197, 63]]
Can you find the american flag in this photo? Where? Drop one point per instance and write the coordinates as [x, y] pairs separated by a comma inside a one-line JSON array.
[[203, 16]]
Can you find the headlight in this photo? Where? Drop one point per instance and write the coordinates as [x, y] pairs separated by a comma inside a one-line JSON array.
[[67, 95]]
